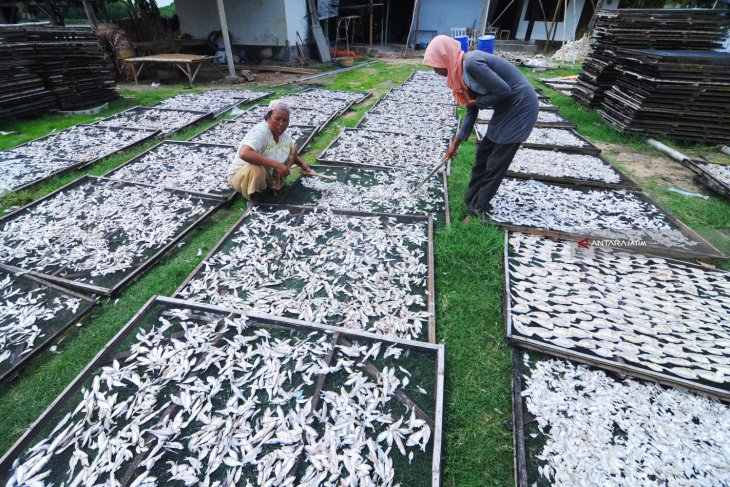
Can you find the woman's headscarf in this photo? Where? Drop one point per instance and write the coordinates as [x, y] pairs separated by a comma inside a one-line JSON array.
[[445, 52], [277, 105]]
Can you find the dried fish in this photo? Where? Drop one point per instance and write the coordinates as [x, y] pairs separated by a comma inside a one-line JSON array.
[[203, 397], [212, 101], [366, 273], [328, 104], [297, 116], [626, 297], [377, 190], [563, 165], [97, 229], [486, 115], [29, 314], [83, 143], [232, 132], [414, 110], [18, 171], [556, 138], [165, 120], [179, 165], [597, 212], [593, 428], [407, 94], [402, 151], [396, 123], [721, 172], [350, 96]]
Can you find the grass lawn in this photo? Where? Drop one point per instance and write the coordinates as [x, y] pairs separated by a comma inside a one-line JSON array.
[[477, 449]]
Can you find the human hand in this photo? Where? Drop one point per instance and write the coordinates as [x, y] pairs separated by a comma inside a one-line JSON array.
[[453, 149], [305, 167], [282, 170]]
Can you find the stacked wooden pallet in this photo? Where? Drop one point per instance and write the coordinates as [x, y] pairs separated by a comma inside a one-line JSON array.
[[677, 29], [22, 90], [60, 68], [680, 94]]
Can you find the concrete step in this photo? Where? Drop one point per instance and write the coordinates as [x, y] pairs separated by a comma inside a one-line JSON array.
[[515, 46]]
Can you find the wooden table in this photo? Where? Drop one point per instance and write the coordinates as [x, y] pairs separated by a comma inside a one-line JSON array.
[[184, 62]]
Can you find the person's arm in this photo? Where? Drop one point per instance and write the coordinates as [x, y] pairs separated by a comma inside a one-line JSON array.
[[499, 89], [249, 154], [299, 161], [472, 111]]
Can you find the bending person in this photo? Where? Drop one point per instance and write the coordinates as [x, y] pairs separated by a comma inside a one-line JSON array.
[[265, 154], [480, 80]]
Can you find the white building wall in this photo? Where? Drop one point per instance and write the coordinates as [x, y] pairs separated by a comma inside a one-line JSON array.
[[538, 29], [440, 15], [296, 20], [250, 22], [571, 23]]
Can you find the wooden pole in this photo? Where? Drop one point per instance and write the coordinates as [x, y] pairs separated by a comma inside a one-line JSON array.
[[90, 14], [486, 19], [410, 29], [226, 41], [371, 23], [565, 19]]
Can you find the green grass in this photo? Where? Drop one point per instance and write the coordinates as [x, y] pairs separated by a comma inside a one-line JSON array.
[[477, 449]]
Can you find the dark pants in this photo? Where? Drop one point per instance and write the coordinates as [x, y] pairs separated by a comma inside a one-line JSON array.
[[487, 174]]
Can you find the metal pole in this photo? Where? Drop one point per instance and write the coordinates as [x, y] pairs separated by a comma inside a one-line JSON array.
[[226, 41]]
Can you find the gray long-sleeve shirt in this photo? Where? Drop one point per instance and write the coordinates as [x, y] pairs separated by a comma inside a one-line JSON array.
[[496, 83]]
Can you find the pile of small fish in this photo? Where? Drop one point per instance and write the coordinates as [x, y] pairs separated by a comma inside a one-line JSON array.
[[165, 120], [98, 228], [648, 312], [427, 82], [186, 166], [352, 97], [601, 431], [225, 132], [329, 105], [543, 105], [596, 212], [379, 191], [212, 101], [17, 170], [413, 110], [297, 116], [721, 172], [363, 273], [486, 115], [208, 399], [84, 143], [404, 124], [563, 165], [232, 132], [404, 95], [403, 151], [23, 314], [555, 137]]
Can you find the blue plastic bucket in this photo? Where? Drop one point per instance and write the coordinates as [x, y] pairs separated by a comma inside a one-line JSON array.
[[486, 43], [464, 40]]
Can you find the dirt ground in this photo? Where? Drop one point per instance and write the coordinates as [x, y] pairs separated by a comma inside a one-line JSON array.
[[642, 166]]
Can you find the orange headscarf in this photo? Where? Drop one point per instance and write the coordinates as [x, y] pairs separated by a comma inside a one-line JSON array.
[[445, 52]]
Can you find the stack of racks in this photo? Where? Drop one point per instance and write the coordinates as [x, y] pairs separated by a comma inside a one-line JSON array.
[[681, 94], [60, 68], [696, 29]]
